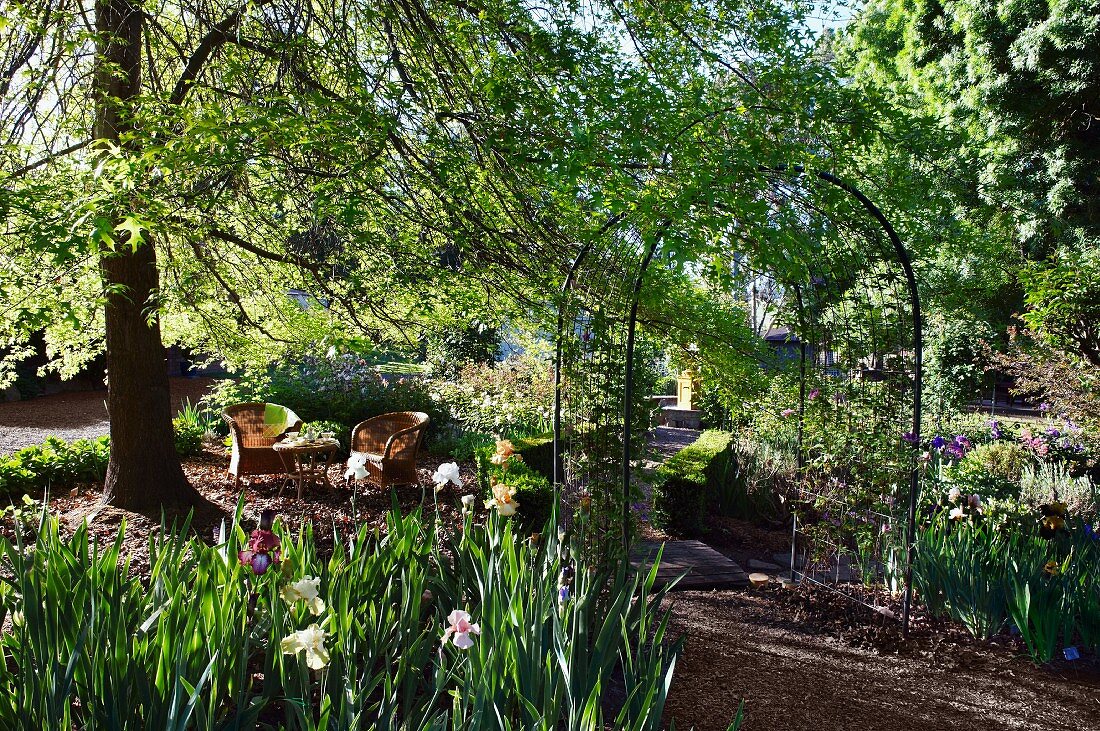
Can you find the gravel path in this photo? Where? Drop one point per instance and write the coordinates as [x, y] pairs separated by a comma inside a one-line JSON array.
[[665, 441], [76, 415]]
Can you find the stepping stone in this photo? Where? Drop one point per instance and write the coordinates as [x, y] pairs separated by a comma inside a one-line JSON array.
[[784, 560], [764, 565]]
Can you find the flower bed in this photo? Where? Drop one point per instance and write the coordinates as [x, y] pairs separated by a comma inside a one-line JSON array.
[[409, 629]]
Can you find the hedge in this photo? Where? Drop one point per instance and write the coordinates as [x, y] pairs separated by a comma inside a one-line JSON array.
[[531, 477], [690, 482]]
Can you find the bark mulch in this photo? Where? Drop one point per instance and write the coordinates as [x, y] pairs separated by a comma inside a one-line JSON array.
[[327, 510], [809, 659]]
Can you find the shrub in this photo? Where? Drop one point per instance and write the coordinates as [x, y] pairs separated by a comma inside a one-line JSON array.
[[686, 485], [537, 452], [54, 464], [1052, 482], [533, 491], [515, 395], [344, 389], [757, 477], [188, 437], [991, 470], [543, 657], [461, 446]]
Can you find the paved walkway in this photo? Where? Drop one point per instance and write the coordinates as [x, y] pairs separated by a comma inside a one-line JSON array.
[[705, 568], [701, 566]]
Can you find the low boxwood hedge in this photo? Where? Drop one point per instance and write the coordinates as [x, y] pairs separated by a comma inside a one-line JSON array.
[[530, 476], [689, 483]]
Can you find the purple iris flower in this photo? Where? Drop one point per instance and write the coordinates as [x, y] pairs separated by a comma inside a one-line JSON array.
[[563, 594], [910, 438], [1053, 432], [1091, 532], [263, 546], [1044, 406], [995, 429], [938, 442]]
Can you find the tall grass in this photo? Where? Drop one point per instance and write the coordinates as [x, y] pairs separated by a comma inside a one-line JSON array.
[[196, 643]]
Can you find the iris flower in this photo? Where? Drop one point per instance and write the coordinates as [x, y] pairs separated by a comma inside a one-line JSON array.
[[306, 589], [447, 472], [263, 546], [504, 452], [459, 630], [311, 641], [357, 467], [503, 500]]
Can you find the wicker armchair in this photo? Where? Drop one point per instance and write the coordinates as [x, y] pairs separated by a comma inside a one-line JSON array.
[[252, 452], [389, 444]]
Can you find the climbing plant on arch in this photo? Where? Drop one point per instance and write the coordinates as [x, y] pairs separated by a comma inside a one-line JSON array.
[[846, 298]]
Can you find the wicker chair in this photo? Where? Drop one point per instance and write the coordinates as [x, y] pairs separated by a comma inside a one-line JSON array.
[[252, 452], [389, 444]]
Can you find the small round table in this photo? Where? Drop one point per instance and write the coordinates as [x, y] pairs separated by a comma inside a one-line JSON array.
[[305, 461]]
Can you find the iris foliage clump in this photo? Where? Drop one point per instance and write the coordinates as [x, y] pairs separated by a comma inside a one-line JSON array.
[[409, 628]]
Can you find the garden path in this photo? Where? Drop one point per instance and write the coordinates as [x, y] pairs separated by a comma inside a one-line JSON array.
[[705, 567], [74, 415], [665, 441], [798, 670], [805, 660]]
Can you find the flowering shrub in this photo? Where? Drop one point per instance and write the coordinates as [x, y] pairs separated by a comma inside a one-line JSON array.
[[520, 631], [516, 395], [344, 389]]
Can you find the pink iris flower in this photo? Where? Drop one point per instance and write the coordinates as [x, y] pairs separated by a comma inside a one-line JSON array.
[[459, 630]]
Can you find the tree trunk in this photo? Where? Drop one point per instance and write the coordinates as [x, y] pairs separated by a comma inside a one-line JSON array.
[[144, 472]]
